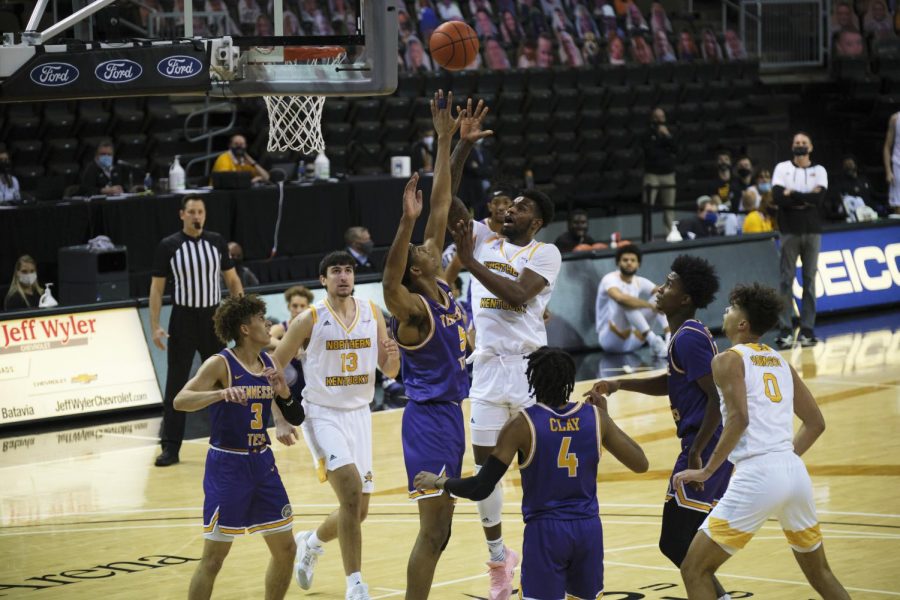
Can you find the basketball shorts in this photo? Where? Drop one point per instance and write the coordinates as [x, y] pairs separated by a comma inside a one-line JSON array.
[[499, 391], [243, 494], [762, 486], [894, 191], [562, 560], [434, 440], [686, 496], [337, 438]]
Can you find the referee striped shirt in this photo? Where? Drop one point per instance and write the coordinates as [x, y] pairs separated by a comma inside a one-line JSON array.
[[195, 265]]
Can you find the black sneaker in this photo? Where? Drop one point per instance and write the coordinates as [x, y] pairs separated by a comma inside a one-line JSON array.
[[166, 459], [807, 338], [785, 339]]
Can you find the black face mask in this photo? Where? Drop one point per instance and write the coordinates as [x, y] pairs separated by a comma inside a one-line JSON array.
[[724, 167], [800, 151], [5, 167], [744, 172], [851, 173], [239, 151]]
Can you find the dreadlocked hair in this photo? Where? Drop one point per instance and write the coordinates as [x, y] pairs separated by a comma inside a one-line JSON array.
[[551, 376]]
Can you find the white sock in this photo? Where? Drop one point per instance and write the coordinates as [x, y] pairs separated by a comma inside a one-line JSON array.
[[354, 579], [725, 597], [314, 542], [498, 552]]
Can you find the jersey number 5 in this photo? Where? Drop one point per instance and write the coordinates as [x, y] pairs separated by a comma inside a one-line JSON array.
[[567, 460], [770, 386]]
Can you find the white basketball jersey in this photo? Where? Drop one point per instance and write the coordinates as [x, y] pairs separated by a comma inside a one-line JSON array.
[[501, 328], [895, 151], [341, 358], [770, 403]]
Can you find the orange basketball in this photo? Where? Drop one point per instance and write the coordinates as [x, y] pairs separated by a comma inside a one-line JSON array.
[[454, 45]]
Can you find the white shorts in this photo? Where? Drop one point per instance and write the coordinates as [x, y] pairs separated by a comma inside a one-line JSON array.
[[611, 339], [499, 391], [763, 486], [340, 437], [894, 191]]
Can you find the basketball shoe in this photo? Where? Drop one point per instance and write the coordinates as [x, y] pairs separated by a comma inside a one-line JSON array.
[[501, 574], [305, 560]]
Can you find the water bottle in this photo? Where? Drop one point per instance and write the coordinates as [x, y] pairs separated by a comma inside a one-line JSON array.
[[176, 176], [614, 240], [47, 300], [301, 170], [148, 182], [322, 166], [674, 234]]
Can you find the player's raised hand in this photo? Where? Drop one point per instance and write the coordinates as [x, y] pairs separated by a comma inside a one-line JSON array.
[[412, 198], [442, 115], [465, 242], [391, 347], [470, 127], [277, 381], [285, 432], [235, 395]]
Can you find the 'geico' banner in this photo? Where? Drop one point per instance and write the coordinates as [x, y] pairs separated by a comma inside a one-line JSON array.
[[110, 72], [72, 364], [857, 268]]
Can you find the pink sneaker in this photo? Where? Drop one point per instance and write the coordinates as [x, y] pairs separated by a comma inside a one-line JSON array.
[[502, 575]]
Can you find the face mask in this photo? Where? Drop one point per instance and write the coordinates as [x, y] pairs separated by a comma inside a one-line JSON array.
[[724, 167], [800, 151], [851, 173], [238, 151], [28, 279], [105, 161], [428, 140], [765, 188], [711, 217], [744, 172], [5, 166], [367, 247]]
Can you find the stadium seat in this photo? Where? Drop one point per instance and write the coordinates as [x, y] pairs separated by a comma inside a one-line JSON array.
[[635, 74], [645, 95], [566, 78], [593, 97], [683, 72], [623, 158], [93, 117], [618, 138], [59, 119], [408, 86], [489, 82], [590, 140], [514, 81], [367, 132], [62, 150], [594, 162], [128, 115], [462, 84], [513, 166], [564, 122], [338, 157], [705, 72], [659, 73], [567, 99], [368, 159], [609, 75], [365, 110], [397, 108], [131, 146], [593, 119], [620, 96], [335, 110], [567, 163], [509, 124], [510, 102], [540, 79], [718, 91], [432, 82], [669, 93], [161, 115], [729, 71], [28, 175], [421, 108], [540, 103], [21, 121], [511, 145], [338, 134], [26, 152], [398, 131], [543, 168], [537, 144]]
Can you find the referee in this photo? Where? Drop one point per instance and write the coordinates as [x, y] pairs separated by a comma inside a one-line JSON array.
[[194, 258]]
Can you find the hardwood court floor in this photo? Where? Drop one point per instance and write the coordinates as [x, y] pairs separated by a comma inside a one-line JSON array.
[[76, 499]]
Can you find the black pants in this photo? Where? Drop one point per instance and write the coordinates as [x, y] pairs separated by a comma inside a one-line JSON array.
[[679, 525], [190, 331]]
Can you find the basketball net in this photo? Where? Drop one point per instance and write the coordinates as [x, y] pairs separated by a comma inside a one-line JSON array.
[[295, 122]]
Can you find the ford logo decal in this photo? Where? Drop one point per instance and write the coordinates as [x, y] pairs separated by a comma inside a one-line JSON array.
[[54, 74], [179, 67], [118, 71]]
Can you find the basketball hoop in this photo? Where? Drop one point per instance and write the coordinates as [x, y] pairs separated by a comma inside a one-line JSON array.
[[295, 122]]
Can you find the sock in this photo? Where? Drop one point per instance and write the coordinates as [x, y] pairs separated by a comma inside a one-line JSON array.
[[498, 552], [725, 597], [314, 542], [651, 337], [354, 579]]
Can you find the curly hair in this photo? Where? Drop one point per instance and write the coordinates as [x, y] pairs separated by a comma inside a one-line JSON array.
[[298, 290], [551, 375], [698, 278], [761, 304], [629, 249], [233, 312], [544, 205]]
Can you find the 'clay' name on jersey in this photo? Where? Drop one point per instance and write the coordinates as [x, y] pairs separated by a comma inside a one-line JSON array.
[[564, 424]]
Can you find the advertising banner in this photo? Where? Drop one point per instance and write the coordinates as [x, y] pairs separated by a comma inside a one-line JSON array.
[[73, 364]]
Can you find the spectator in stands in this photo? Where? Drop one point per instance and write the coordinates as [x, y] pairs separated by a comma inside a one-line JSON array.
[[510, 30], [659, 165], [712, 52], [756, 220], [662, 48], [527, 58], [687, 48], [422, 152], [576, 233], [314, 18], [634, 20], [544, 55], [569, 54], [532, 18], [724, 178], [584, 23], [851, 191], [843, 18], [449, 10], [742, 180], [248, 12], [298, 299], [9, 184], [641, 53], [236, 158], [891, 157], [590, 50], [404, 30], [476, 176], [616, 50], [703, 224], [607, 20], [102, 176], [878, 21], [221, 23], [659, 20], [560, 22], [247, 277], [428, 19], [495, 56], [798, 187], [849, 44], [263, 26], [734, 46], [360, 245], [24, 289], [343, 17], [416, 59], [476, 5], [484, 26], [291, 23]]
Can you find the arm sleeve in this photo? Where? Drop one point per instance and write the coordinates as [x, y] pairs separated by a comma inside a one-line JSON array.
[[291, 409], [161, 260], [695, 352], [480, 486], [546, 262]]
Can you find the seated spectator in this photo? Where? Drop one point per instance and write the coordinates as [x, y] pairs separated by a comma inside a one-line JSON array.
[[849, 44], [843, 18], [532, 18], [510, 31], [405, 29], [422, 152], [449, 10], [24, 289], [417, 61], [755, 221], [343, 17], [569, 54], [221, 23], [428, 19], [712, 52], [484, 26], [687, 48], [851, 191], [291, 23], [527, 58], [236, 158], [314, 18], [742, 180], [247, 277], [878, 21], [298, 299], [102, 176], [544, 55], [607, 20], [9, 184], [495, 56], [248, 11], [640, 50], [576, 233], [584, 23], [560, 22], [734, 46], [625, 309], [659, 20], [360, 245], [703, 224], [662, 48], [590, 50], [616, 49], [634, 20], [724, 178], [476, 5]]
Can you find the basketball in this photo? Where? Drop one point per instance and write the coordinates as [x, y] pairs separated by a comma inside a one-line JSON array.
[[454, 45]]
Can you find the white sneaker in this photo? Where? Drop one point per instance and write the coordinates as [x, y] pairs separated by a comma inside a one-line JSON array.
[[360, 591], [305, 560], [658, 346]]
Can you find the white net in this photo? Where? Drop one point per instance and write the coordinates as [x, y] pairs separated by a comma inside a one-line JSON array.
[[295, 122]]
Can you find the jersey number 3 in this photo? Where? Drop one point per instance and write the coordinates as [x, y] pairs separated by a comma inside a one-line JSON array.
[[567, 460]]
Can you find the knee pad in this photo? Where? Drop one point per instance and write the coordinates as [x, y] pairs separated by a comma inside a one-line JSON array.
[[491, 508]]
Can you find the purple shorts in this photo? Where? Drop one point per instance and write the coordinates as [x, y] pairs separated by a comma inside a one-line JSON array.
[[562, 559], [243, 494], [713, 488], [434, 440]]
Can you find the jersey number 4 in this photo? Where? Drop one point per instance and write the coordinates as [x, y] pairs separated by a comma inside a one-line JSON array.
[[567, 460]]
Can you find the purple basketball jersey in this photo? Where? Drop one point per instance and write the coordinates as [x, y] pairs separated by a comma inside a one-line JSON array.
[[236, 427], [690, 358]]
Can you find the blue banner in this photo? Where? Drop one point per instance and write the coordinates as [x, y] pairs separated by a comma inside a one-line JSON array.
[[858, 268]]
